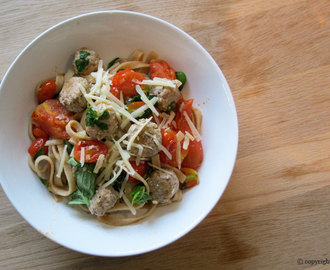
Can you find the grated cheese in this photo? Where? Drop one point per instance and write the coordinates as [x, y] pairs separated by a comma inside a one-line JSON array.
[[129, 145], [82, 156], [54, 142], [195, 132], [146, 100], [99, 163]]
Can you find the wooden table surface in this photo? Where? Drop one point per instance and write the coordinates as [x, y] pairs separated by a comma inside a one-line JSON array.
[[275, 212]]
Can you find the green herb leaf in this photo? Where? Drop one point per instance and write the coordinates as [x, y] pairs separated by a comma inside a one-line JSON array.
[[139, 195], [92, 118], [105, 115], [172, 106], [101, 125], [112, 62], [182, 78], [40, 152], [73, 162], [184, 186], [82, 62], [85, 182], [69, 146], [44, 182], [83, 54]]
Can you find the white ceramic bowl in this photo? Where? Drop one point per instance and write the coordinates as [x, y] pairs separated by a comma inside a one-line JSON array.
[[112, 34]]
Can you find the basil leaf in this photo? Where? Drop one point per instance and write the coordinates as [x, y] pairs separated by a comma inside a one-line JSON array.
[[182, 78], [112, 62], [69, 146], [92, 118], [73, 162], [81, 64], [44, 182], [146, 114], [85, 182], [83, 54], [172, 106], [40, 152], [139, 195], [101, 125], [105, 115]]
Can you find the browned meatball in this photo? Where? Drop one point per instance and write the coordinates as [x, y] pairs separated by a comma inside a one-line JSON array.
[[85, 62], [163, 185], [144, 139], [71, 96], [167, 97], [96, 132], [104, 199]]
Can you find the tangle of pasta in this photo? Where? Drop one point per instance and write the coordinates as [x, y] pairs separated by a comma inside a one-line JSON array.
[[117, 141]]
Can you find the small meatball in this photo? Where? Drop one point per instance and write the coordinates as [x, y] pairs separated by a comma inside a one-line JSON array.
[[163, 185], [85, 62], [167, 97], [71, 96], [145, 138], [104, 199], [111, 123]]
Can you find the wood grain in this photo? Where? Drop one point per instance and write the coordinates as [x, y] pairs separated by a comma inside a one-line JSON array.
[[275, 210]]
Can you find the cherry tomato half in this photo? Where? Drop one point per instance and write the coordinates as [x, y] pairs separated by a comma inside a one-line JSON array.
[[52, 116], [47, 91], [161, 69], [140, 169], [169, 142], [181, 122], [195, 155], [36, 145], [93, 149], [38, 132], [124, 81]]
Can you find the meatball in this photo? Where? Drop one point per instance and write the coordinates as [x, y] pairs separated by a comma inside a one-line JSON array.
[[111, 123], [71, 96], [167, 97], [104, 199], [85, 62], [163, 185], [145, 138]]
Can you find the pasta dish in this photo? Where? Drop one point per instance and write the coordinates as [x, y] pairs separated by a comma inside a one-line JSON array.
[[117, 140]]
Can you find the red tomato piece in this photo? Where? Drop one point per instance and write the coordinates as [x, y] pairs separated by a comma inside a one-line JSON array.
[[93, 149], [38, 132], [161, 69], [115, 92], [195, 155], [181, 122], [140, 169], [47, 91], [169, 141], [125, 81], [36, 145], [52, 116]]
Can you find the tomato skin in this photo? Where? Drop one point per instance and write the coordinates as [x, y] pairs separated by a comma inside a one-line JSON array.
[[93, 149], [38, 132], [181, 122], [161, 69], [47, 91], [195, 155], [140, 169], [52, 116], [169, 141], [115, 92], [123, 81], [36, 145]]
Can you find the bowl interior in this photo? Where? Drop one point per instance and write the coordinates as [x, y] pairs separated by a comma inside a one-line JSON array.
[[112, 34]]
